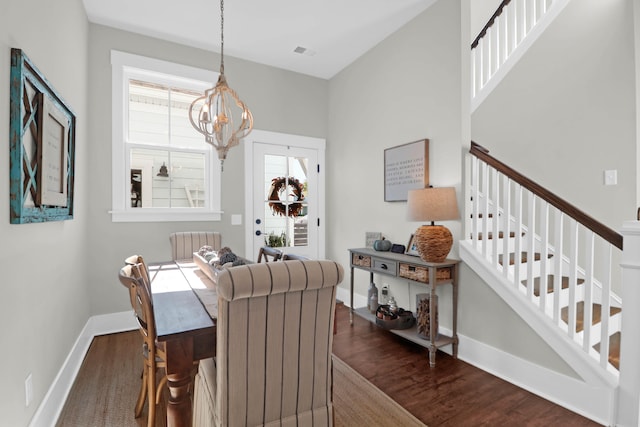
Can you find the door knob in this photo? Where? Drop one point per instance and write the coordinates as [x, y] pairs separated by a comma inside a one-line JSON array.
[[258, 232]]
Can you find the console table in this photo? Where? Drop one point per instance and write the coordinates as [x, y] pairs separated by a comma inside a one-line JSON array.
[[414, 270]]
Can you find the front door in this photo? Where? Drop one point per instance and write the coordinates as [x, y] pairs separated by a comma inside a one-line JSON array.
[[287, 194]]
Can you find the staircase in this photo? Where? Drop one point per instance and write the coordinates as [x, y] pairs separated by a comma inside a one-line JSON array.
[[565, 274], [552, 264]]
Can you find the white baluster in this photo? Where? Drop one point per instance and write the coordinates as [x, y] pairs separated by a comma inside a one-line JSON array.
[[474, 72], [486, 57], [512, 23], [506, 223], [503, 25], [573, 275], [544, 253], [518, 229], [588, 290], [496, 217], [558, 264], [485, 208], [495, 48], [531, 243], [521, 18], [474, 201], [530, 14], [605, 281]]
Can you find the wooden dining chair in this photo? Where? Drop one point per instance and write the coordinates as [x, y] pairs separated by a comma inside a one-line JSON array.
[[267, 252], [134, 277], [138, 259]]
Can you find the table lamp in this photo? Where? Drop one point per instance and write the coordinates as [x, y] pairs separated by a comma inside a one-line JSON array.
[[433, 204]]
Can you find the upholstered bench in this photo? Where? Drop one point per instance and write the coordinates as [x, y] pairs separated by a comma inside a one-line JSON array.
[[185, 243]]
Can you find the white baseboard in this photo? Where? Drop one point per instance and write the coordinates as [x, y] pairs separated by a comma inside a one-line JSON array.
[[571, 393], [49, 410]]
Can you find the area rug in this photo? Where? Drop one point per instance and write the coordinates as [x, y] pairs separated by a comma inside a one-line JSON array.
[[357, 402]]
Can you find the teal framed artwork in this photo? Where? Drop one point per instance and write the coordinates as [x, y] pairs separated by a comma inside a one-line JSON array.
[[42, 147]]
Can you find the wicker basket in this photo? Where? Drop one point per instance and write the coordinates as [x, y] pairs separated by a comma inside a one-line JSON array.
[[421, 274], [361, 260], [401, 320]]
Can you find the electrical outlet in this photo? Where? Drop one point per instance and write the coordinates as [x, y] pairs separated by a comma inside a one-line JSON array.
[[28, 390]]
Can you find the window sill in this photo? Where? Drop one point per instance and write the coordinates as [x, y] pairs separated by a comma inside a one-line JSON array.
[[165, 215]]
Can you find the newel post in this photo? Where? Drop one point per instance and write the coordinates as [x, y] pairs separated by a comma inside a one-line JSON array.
[[629, 386]]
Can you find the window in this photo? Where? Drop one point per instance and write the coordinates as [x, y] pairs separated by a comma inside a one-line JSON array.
[[162, 169]]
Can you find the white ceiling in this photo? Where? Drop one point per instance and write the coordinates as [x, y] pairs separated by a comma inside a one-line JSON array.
[[336, 31]]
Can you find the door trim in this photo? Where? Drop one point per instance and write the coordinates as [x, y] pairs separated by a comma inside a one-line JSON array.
[[287, 140]]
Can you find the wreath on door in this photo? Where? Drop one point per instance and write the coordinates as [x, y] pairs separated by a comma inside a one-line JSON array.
[[279, 185]]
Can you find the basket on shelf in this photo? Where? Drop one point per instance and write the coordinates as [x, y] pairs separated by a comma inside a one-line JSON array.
[[387, 319]]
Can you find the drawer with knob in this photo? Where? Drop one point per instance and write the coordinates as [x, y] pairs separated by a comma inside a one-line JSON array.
[[384, 266]]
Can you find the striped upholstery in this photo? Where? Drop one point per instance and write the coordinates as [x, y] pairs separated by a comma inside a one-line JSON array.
[[185, 243], [274, 341]]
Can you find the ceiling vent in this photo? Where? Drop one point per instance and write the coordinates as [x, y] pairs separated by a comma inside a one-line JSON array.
[[304, 51]]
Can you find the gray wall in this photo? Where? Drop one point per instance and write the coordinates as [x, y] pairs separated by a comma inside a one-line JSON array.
[[280, 101], [407, 88], [44, 293]]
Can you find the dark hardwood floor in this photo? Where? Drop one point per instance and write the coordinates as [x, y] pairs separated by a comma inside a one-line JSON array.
[[453, 393]]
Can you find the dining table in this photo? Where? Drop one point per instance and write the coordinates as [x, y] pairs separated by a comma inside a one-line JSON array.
[[185, 307]]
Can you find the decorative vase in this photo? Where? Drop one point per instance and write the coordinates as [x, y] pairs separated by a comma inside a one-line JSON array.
[[372, 298]]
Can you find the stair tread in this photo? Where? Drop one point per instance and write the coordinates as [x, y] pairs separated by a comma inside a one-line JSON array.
[[596, 314], [523, 257], [614, 349], [550, 277]]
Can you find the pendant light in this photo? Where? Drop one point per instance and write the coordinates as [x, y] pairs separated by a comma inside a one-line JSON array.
[[216, 114]]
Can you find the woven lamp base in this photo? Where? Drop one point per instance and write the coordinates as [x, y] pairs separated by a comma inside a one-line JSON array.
[[434, 242]]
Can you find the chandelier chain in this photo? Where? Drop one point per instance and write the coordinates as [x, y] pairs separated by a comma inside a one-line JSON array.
[[221, 36]]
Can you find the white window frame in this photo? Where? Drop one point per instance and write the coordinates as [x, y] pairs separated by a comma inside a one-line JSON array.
[[125, 66]]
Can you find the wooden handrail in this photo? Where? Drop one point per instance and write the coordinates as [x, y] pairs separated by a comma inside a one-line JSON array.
[[597, 227], [497, 13]]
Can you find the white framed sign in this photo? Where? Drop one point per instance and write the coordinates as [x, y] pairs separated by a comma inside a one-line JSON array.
[[406, 167]]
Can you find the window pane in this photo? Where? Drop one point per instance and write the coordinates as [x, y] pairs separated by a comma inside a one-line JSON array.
[[187, 180], [164, 179], [148, 113], [182, 133], [286, 208]]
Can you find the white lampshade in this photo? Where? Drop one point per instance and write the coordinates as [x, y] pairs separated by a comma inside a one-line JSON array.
[[432, 204]]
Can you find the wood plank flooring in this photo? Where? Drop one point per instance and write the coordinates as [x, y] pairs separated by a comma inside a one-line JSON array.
[[453, 393]]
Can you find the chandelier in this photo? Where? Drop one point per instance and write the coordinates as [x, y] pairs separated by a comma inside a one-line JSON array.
[[213, 113]]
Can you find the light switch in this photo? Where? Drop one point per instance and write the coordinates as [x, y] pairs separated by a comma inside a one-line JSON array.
[[236, 219], [611, 177]]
